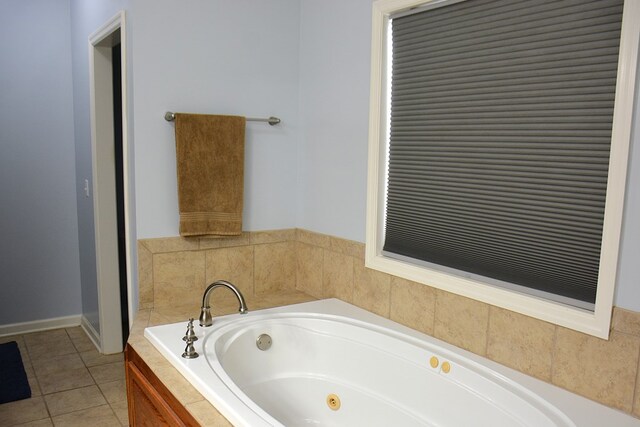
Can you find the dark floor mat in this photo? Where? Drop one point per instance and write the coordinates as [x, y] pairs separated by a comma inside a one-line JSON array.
[[13, 379]]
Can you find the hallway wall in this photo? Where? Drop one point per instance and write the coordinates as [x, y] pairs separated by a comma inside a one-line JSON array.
[[39, 252]]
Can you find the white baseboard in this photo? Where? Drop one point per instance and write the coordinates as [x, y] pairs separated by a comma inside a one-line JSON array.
[[39, 325], [93, 335]]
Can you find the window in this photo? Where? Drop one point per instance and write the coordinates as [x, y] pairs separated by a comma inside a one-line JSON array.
[[498, 150]]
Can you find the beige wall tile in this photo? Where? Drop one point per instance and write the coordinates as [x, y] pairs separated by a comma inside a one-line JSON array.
[[275, 267], [521, 342], [224, 242], [309, 269], [279, 299], [600, 370], [413, 304], [323, 266], [312, 238], [461, 321], [626, 321], [371, 289], [337, 276], [145, 276], [164, 315], [178, 276], [171, 244], [347, 247], [234, 265], [272, 236]]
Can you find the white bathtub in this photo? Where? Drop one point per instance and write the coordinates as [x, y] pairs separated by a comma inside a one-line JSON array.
[[333, 364]]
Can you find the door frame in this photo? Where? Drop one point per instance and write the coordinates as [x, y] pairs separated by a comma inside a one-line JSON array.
[[105, 220]]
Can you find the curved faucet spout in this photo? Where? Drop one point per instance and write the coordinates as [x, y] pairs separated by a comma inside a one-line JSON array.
[[205, 312]]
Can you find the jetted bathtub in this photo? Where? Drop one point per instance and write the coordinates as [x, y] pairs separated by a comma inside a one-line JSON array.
[[329, 363]]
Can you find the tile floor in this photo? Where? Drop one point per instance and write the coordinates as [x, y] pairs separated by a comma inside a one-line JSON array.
[[71, 383]]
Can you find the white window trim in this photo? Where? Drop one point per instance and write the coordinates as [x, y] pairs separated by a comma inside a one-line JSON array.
[[595, 323]]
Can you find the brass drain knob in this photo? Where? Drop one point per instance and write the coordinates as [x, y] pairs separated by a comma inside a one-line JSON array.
[[333, 401]]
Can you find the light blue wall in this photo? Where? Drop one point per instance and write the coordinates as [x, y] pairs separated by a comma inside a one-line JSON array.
[[335, 39], [305, 61], [217, 57], [40, 274]]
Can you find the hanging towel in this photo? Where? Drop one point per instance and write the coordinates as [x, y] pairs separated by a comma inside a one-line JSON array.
[[210, 166]]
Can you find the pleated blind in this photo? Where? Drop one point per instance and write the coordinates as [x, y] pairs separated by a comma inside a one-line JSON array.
[[501, 116]]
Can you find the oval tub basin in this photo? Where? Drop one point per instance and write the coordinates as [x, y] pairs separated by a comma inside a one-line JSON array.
[[330, 363]]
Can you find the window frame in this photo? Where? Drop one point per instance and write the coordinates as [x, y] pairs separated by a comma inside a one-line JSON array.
[[596, 323]]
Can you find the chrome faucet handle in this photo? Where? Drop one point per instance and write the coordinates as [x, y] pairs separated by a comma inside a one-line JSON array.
[[190, 351], [190, 337], [190, 334]]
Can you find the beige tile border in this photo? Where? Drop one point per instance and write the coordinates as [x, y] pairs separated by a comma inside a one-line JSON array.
[[170, 244], [312, 238], [272, 236], [626, 321], [224, 242]]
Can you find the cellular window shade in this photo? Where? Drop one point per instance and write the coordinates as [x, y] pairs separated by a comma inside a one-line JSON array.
[[500, 130]]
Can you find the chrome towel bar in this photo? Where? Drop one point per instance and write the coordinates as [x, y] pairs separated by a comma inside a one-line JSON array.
[[169, 116]]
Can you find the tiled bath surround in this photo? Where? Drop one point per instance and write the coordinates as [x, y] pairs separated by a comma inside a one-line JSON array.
[[175, 271]]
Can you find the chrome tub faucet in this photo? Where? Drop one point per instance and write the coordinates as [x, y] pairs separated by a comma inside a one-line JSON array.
[[205, 312]]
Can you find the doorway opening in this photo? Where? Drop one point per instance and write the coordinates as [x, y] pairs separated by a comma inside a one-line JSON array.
[[107, 61], [116, 54]]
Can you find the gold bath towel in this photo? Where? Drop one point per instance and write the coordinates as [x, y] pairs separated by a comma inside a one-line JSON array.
[[210, 165]]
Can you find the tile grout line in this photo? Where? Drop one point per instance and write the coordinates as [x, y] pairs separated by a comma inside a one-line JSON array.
[[44, 401], [100, 388], [554, 353], [487, 333], [636, 392]]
